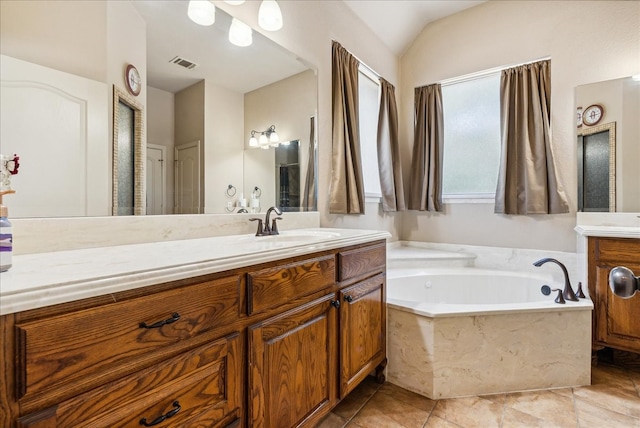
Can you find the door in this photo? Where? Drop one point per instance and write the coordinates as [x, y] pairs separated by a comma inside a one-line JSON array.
[[292, 366], [156, 173], [363, 331], [58, 124], [187, 179]]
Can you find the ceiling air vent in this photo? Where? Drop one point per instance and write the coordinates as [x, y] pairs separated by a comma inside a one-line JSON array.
[[184, 63]]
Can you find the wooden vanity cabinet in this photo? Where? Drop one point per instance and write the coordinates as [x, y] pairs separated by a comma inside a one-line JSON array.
[[275, 345], [615, 320], [304, 360], [174, 354]]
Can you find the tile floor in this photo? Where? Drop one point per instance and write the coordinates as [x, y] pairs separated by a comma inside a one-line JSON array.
[[611, 401]]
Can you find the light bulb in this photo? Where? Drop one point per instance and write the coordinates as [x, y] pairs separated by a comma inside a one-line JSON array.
[[253, 142], [240, 34], [269, 15], [234, 2], [263, 140], [202, 12], [274, 137]]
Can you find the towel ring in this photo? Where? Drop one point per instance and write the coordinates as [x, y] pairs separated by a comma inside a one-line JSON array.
[[231, 190], [257, 192]]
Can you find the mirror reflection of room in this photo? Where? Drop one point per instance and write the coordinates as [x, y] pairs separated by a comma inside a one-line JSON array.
[[608, 153], [193, 97]]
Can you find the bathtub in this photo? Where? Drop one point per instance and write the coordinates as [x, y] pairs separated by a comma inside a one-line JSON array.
[[467, 331]]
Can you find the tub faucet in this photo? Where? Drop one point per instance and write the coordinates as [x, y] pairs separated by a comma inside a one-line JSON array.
[[568, 291]]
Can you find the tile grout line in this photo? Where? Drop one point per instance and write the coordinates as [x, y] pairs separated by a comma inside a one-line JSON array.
[[361, 407], [575, 408]]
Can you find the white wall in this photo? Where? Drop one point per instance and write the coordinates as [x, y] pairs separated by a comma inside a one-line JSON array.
[[288, 104], [309, 27], [50, 34], [223, 145], [587, 42]]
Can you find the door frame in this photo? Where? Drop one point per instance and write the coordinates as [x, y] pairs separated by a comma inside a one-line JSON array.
[[163, 182]]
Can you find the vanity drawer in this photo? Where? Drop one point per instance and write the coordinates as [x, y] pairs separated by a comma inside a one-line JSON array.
[[90, 344], [360, 261], [617, 250], [271, 287], [199, 387]]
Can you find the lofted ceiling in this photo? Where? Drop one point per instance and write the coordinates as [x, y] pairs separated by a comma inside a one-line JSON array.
[[398, 22], [170, 33]]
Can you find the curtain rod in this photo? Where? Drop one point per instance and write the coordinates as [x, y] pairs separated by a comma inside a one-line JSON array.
[[479, 74], [361, 62]]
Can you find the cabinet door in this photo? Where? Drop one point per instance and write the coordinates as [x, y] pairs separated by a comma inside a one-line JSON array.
[[617, 323], [362, 331], [615, 319], [292, 366]]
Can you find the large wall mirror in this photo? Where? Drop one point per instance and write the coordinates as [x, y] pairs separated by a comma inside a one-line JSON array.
[[609, 150], [202, 96]]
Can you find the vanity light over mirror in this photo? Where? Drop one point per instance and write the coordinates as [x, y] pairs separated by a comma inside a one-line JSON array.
[[201, 96], [608, 150]]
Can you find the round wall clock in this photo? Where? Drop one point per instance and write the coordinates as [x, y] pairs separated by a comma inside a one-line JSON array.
[[592, 114], [133, 80]]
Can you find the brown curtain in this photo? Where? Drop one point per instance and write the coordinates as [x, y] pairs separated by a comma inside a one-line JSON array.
[[347, 188], [389, 165], [309, 198], [426, 164], [527, 181]]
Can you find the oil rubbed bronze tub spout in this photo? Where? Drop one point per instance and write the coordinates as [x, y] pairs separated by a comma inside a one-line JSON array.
[[568, 291]]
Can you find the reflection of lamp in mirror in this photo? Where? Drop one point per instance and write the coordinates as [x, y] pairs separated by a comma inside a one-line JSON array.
[[623, 282], [240, 34], [267, 137], [234, 2], [202, 12], [269, 15]]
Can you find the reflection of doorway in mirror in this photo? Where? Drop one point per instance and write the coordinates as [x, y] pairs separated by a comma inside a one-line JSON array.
[[156, 178], [187, 179], [288, 176], [597, 169], [128, 155]]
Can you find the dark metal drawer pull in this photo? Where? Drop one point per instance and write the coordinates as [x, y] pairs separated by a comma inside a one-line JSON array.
[[162, 418], [174, 317], [335, 304], [348, 298]]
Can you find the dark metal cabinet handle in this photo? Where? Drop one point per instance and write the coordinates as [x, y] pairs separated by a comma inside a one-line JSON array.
[[335, 304], [162, 418], [348, 298], [174, 317]]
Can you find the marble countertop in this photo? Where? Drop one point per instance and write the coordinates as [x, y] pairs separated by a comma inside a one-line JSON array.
[[609, 231], [39, 280]]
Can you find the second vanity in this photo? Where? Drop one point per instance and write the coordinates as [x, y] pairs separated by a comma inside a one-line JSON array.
[[226, 331]]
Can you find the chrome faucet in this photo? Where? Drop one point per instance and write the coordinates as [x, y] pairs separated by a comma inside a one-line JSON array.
[[568, 291], [264, 229]]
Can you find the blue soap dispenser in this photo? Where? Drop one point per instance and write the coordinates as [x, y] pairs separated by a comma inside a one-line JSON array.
[[6, 235]]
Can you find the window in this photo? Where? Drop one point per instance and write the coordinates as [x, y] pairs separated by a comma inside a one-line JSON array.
[[471, 150], [369, 105]]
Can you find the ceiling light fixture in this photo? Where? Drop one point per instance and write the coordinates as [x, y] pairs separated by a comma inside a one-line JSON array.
[[240, 34], [269, 15], [267, 137], [202, 12]]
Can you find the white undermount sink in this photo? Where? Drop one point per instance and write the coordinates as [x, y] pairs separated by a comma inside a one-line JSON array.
[[293, 237]]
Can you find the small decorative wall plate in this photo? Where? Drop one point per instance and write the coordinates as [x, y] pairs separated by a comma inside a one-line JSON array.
[[592, 114], [133, 80]]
